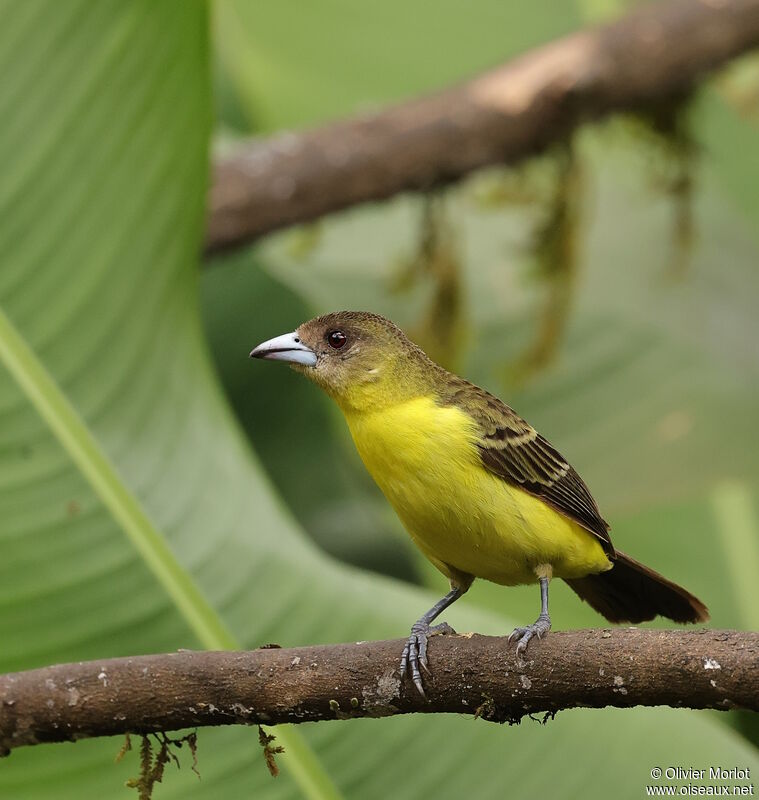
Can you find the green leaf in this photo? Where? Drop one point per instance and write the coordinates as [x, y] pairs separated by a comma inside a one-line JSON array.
[[72, 433], [127, 512]]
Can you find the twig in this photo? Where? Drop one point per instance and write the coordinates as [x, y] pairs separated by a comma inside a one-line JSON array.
[[471, 674], [645, 59]]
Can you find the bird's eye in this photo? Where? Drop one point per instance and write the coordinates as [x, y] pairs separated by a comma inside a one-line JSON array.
[[336, 339]]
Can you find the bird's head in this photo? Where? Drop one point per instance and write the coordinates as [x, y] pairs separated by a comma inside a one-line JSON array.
[[360, 359]]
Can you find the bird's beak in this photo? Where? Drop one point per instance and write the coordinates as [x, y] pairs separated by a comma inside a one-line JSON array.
[[287, 347]]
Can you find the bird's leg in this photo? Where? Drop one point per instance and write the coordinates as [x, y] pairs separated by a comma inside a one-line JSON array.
[[539, 628], [415, 651]]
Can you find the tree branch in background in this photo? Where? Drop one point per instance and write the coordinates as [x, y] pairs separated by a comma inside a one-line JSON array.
[[471, 674], [644, 59]]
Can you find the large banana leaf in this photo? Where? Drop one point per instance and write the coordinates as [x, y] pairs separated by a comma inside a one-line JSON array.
[[103, 145]]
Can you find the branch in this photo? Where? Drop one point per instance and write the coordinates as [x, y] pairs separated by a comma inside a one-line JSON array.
[[643, 60], [471, 674]]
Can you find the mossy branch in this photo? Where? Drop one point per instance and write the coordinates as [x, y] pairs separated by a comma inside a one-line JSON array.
[[641, 62]]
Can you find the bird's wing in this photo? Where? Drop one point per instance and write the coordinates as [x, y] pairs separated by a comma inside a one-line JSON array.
[[514, 451]]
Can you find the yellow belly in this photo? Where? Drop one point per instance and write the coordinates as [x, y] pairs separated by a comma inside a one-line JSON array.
[[424, 459]]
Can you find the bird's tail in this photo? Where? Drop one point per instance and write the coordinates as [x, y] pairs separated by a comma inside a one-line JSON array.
[[632, 592]]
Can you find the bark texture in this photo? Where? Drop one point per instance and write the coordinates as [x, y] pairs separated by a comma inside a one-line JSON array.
[[471, 674]]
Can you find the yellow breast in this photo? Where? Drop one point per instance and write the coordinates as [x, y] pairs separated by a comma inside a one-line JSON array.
[[424, 458]]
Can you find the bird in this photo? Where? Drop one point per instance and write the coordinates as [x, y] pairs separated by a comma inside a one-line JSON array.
[[481, 493]]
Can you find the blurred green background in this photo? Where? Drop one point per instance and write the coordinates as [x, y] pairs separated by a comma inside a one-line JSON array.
[[607, 290]]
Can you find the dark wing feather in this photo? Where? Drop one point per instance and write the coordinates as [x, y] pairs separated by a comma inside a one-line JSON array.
[[512, 449]]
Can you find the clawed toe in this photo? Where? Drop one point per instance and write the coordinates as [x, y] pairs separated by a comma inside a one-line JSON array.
[[517, 634], [414, 656], [522, 644], [522, 636]]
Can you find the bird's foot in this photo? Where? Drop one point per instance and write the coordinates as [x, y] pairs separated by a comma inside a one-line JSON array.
[[415, 651], [522, 636]]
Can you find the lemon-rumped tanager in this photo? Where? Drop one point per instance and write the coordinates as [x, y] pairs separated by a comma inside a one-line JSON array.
[[480, 491]]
